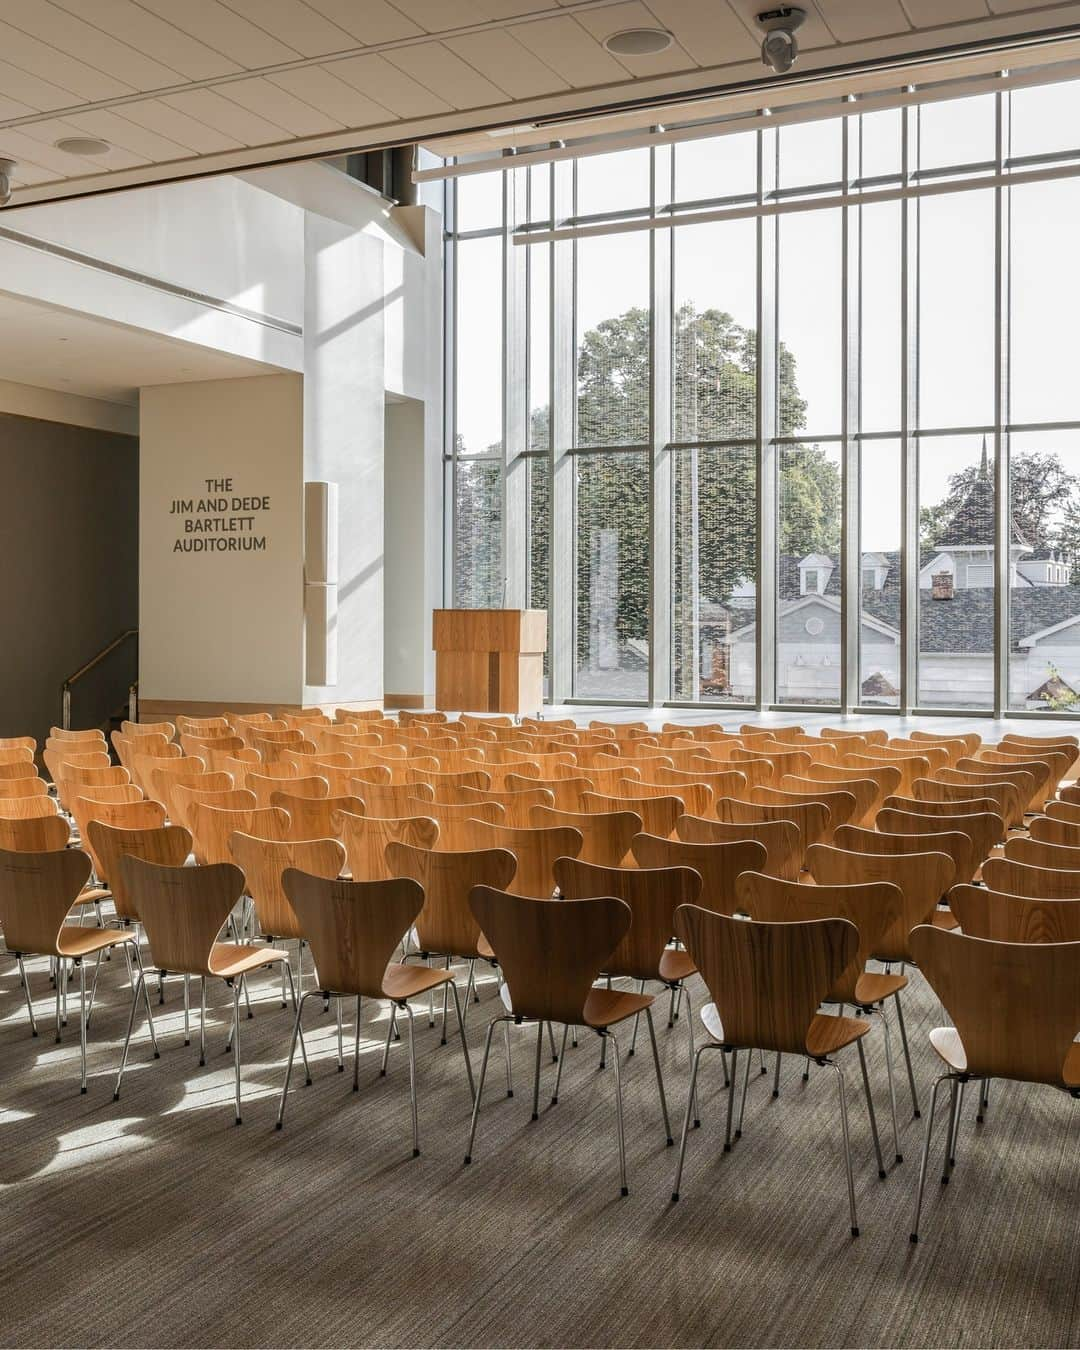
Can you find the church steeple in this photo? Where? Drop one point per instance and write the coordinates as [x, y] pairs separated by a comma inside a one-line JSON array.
[[984, 466]]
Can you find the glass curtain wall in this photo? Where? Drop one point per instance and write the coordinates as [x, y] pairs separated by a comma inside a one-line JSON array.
[[755, 461]]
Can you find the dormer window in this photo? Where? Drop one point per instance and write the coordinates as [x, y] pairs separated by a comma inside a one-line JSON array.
[[814, 573], [810, 582]]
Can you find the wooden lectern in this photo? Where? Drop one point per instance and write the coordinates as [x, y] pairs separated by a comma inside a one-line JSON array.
[[489, 660]]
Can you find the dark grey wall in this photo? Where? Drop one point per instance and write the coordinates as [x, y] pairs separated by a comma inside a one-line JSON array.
[[69, 548]]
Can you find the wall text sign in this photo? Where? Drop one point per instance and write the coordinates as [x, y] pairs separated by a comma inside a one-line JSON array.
[[222, 521]]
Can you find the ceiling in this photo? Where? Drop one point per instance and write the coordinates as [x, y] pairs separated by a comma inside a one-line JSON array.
[[178, 87], [59, 349]]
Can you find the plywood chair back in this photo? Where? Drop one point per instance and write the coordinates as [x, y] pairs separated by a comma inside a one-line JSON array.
[[1055, 764], [60, 763], [18, 743], [696, 796], [136, 729], [1066, 745], [185, 795], [1033, 852], [777, 733], [909, 767], [389, 800], [517, 805], [60, 734], [840, 803], [718, 865], [1004, 797], [957, 845], [195, 780], [72, 780], [260, 782], [37, 892], [354, 927], [264, 862], [811, 818], [767, 979], [1039, 883], [167, 845], [440, 782], [482, 808], [603, 780], [864, 791], [272, 746], [16, 755], [782, 761], [868, 736], [202, 726], [199, 745], [315, 817], [213, 826], [127, 747], [874, 908], [1052, 829], [566, 792], [144, 814], [697, 730], [536, 851], [26, 808], [144, 762], [1030, 780], [550, 951], [457, 834], [366, 839], [942, 814], [730, 783], [986, 990], [446, 924], [23, 787], [971, 739], [780, 839], [34, 834], [955, 748], [653, 895], [658, 814], [998, 917], [886, 779], [606, 836], [1069, 798], [182, 909], [923, 878]]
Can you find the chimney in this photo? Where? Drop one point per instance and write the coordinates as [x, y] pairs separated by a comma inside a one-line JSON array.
[[941, 586]]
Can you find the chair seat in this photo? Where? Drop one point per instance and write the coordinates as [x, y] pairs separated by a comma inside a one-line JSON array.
[[949, 1047], [484, 948], [945, 918], [873, 986], [228, 960], [76, 941], [405, 982], [93, 893], [607, 1007], [676, 964], [825, 1036]]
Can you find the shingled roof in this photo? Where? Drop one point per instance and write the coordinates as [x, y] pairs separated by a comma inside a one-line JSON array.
[[973, 524]]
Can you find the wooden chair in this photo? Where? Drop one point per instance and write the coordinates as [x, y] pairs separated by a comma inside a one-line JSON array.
[[864, 792], [202, 726], [810, 818], [718, 865], [565, 792], [456, 833], [658, 814], [766, 982], [263, 863], [1014, 918], [972, 740], [1006, 799], [874, 908], [144, 760], [16, 754], [1066, 809], [780, 839], [183, 910], [954, 747], [782, 761], [140, 815], [355, 927], [213, 826], [265, 784], [954, 843], [37, 893], [909, 767], [725, 783], [886, 780], [34, 834], [964, 807], [868, 735], [166, 783], [388, 801], [777, 733], [138, 729], [923, 879], [551, 955], [606, 836], [164, 845], [1052, 767], [1046, 829], [23, 808], [1034, 853], [984, 830], [696, 797], [1038, 883], [366, 839], [19, 743], [23, 787], [517, 805], [998, 1030], [59, 735], [186, 796], [840, 804], [536, 851], [315, 817], [1030, 783]]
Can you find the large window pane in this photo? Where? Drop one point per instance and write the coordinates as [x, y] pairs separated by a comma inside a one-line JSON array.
[[724, 166], [539, 428], [478, 346], [879, 305], [808, 311], [714, 571], [478, 569], [616, 182], [1045, 298], [613, 340], [957, 131], [880, 143], [479, 201], [538, 561], [1045, 119], [714, 343], [811, 153], [879, 574], [808, 575], [1044, 583], [956, 579], [956, 310], [612, 542]]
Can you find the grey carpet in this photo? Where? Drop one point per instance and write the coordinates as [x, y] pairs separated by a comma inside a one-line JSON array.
[[156, 1221]]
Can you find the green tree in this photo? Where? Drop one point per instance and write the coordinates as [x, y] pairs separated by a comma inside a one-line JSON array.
[[1043, 502]]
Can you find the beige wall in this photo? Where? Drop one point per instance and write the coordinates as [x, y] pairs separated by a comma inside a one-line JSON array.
[[222, 626]]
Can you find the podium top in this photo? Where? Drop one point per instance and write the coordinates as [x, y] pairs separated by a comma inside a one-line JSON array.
[[489, 630]]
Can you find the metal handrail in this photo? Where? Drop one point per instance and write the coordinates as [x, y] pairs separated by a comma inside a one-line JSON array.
[[65, 688]]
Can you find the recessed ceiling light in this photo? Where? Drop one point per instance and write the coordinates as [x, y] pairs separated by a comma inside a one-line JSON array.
[[639, 42], [82, 145]]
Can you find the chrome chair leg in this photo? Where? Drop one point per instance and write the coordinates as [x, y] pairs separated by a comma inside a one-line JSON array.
[[506, 1049], [776, 1077], [637, 1019], [659, 1078], [690, 1098], [742, 1099], [289, 1062], [623, 1189], [202, 1020], [551, 1042], [558, 1071], [389, 1037], [984, 1101], [93, 985], [445, 1005], [731, 1098], [61, 979], [847, 1147], [187, 1010], [300, 1029], [146, 1001], [356, 1049], [954, 1130], [236, 1043], [340, 1038], [461, 1032], [892, 1086], [480, 1085], [127, 1039], [536, 1070], [925, 1162], [412, 1083], [690, 1034], [26, 993], [82, 1025], [870, 1109], [907, 1056]]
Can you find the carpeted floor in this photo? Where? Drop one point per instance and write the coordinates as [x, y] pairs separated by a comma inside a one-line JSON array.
[[156, 1221]]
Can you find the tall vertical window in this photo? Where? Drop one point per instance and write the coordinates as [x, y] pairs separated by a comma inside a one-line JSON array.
[[478, 347], [478, 569], [879, 574], [613, 341]]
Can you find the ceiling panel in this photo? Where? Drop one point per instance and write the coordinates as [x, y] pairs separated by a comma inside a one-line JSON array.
[[186, 86]]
